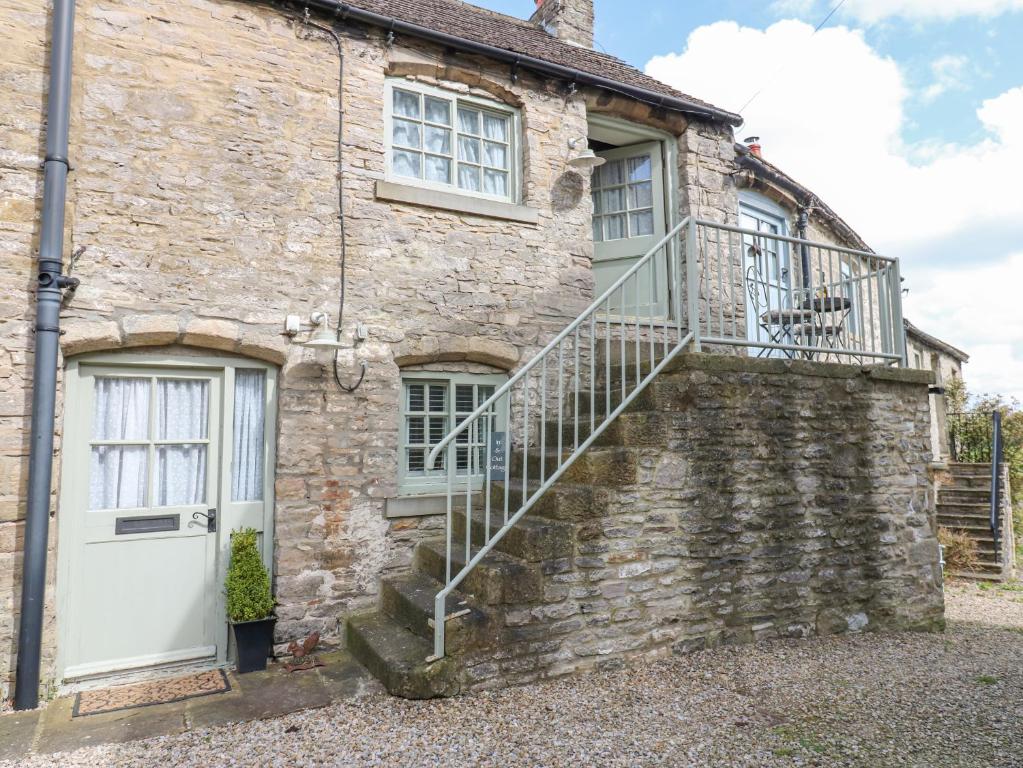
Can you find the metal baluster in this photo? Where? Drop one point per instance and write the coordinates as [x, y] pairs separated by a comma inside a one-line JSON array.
[[732, 284], [593, 370], [525, 441], [654, 305], [507, 452], [543, 420], [607, 357], [468, 489], [720, 269], [639, 357], [870, 303], [575, 397], [561, 404], [621, 292]]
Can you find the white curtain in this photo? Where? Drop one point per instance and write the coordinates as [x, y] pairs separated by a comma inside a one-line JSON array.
[[182, 413], [249, 416], [117, 477]]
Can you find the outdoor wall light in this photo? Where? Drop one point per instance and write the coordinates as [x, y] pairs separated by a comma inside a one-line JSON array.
[[321, 337], [584, 158]]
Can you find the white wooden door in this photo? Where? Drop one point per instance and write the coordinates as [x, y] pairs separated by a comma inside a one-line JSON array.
[[768, 276], [628, 220], [142, 580]]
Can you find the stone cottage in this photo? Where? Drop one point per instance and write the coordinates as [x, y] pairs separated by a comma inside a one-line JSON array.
[[303, 243]]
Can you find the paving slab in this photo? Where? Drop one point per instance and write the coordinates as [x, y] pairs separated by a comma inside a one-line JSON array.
[[258, 695], [61, 732], [17, 729]]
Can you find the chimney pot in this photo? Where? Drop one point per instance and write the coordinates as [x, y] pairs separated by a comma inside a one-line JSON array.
[[753, 144]]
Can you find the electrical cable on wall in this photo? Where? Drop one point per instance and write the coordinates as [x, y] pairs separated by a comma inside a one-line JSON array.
[[340, 199]]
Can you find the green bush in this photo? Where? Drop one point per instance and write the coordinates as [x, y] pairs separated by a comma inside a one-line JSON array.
[[248, 583]]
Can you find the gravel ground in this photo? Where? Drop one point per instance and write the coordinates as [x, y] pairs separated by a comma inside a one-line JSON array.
[[953, 699]]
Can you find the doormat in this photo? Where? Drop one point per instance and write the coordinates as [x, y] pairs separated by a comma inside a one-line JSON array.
[[150, 693]]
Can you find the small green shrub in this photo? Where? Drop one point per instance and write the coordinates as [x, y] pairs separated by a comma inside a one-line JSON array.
[[248, 583]]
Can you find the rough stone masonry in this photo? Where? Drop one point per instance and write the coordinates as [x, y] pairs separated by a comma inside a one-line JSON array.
[[759, 499]]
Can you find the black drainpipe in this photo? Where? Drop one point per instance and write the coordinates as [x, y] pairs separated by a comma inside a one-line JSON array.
[[44, 378], [804, 250]]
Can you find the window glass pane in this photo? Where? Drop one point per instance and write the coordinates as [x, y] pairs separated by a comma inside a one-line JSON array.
[[438, 398], [438, 169], [614, 199], [437, 140], [406, 104], [117, 476], [495, 155], [438, 110], [641, 223], [468, 121], [469, 149], [641, 195], [438, 429], [417, 430], [495, 127], [180, 475], [248, 445], [465, 402], [614, 227], [122, 409], [495, 182], [416, 397], [406, 134], [612, 172], [469, 177], [597, 209], [415, 460], [407, 163], [182, 409], [461, 459], [598, 230], [639, 168]]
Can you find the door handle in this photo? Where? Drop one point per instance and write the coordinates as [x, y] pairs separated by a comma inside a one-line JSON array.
[[211, 519]]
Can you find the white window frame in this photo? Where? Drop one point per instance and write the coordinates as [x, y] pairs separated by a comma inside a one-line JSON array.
[[483, 105], [437, 483]]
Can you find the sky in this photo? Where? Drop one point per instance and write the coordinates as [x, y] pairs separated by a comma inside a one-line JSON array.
[[905, 116]]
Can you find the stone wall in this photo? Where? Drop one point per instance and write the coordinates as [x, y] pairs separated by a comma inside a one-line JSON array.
[[759, 499], [203, 204]]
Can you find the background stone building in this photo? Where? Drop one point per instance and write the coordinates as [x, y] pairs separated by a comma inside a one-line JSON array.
[[203, 210]]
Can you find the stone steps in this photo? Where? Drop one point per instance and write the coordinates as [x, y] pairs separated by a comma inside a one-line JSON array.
[[964, 504], [397, 657], [533, 539], [408, 599], [498, 579]]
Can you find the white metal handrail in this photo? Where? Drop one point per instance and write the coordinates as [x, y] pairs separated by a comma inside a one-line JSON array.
[[640, 315], [606, 323]]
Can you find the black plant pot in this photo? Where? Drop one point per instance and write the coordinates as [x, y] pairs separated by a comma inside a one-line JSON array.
[[253, 641]]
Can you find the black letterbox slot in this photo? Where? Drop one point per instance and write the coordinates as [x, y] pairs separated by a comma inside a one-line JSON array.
[[125, 525]]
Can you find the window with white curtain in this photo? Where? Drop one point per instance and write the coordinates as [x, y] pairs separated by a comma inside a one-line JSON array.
[[120, 443], [141, 420], [446, 141], [248, 451]]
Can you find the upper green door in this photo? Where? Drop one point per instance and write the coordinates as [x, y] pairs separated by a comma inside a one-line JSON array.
[[628, 220]]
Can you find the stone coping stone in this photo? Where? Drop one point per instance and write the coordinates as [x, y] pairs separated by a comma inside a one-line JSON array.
[[710, 362]]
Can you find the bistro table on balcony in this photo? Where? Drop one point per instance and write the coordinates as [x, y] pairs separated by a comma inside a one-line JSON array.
[[830, 314]]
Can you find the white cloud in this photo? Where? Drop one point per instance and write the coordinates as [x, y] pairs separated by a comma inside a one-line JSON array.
[[831, 113], [792, 7], [871, 11], [950, 74]]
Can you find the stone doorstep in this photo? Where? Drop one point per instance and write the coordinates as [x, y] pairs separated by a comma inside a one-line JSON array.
[[254, 696]]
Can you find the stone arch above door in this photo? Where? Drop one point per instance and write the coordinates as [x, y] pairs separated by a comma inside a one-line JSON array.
[[153, 330]]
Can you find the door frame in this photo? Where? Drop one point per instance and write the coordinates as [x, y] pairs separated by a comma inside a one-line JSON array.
[[765, 209], [77, 423], [622, 133]]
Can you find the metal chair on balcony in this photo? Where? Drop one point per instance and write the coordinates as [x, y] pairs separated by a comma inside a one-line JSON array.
[[783, 325]]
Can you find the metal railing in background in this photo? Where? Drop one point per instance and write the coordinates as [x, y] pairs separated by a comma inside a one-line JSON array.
[[975, 437], [773, 295], [502, 458]]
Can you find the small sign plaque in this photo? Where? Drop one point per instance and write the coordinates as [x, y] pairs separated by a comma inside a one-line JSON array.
[[498, 455]]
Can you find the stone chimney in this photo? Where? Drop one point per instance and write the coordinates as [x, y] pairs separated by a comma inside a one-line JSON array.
[[568, 20]]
